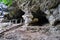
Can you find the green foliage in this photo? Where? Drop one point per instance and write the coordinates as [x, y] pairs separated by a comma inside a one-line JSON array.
[[0, 1], [6, 2]]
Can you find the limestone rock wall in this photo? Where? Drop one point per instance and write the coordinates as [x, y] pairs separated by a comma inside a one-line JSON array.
[[39, 5], [43, 4]]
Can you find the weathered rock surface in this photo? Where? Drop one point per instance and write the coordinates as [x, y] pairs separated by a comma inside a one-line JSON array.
[[53, 15], [43, 5], [35, 4], [35, 7], [33, 33]]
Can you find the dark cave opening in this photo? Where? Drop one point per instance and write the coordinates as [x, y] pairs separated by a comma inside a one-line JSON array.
[[41, 18], [56, 23], [16, 16], [38, 14]]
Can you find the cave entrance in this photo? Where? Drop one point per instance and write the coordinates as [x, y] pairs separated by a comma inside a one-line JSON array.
[[42, 20]]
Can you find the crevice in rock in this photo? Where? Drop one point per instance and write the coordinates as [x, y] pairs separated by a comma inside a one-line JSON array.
[[56, 23]]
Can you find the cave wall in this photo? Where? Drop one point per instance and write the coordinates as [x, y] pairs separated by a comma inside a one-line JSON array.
[[37, 7]]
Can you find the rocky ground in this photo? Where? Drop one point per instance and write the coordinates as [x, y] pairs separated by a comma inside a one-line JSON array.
[[45, 32]]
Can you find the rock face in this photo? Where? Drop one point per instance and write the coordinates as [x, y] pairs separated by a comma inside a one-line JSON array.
[[43, 5], [49, 7], [53, 15]]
